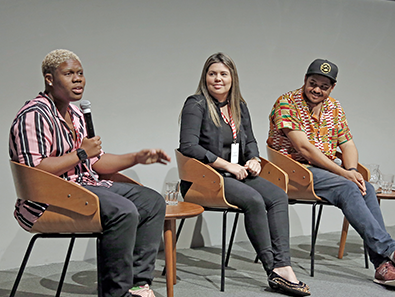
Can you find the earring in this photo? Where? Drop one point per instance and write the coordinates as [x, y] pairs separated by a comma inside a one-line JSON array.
[[50, 84]]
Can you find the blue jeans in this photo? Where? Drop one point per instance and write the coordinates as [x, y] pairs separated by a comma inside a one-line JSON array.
[[363, 212]]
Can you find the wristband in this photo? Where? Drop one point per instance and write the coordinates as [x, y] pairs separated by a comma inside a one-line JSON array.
[[352, 168], [82, 155]]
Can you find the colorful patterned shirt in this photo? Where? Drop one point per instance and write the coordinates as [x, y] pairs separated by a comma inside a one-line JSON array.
[[38, 132], [326, 133]]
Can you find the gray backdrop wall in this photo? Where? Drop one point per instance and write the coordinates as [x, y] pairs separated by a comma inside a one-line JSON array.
[[143, 58]]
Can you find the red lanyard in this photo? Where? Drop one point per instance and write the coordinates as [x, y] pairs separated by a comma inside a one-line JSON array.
[[230, 123]]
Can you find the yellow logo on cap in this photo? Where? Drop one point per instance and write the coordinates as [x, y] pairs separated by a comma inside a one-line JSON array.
[[325, 68]]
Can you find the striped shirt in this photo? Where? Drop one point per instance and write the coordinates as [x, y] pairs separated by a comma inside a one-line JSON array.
[[326, 132], [38, 132]]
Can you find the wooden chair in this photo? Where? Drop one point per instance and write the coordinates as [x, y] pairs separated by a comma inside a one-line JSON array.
[[207, 190], [301, 191], [73, 212]]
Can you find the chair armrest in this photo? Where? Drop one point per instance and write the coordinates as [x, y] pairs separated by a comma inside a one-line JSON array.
[[38, 185], [300, 183], [207, 187], [194, 171], [364, 171], [120, 178], [274, 174], [296, 171]]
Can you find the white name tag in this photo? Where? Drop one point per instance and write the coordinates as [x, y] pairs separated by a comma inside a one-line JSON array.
[[234, 153]]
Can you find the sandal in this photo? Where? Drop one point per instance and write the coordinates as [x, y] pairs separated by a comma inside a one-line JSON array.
[[277, 282]]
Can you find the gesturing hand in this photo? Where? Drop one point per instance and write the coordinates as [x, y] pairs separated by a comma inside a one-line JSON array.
[[151, 156]]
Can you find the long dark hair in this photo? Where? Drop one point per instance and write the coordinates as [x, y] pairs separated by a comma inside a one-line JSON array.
[[234, 95]]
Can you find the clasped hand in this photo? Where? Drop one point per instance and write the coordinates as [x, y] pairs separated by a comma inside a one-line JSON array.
[[357, 178], [241, 172]]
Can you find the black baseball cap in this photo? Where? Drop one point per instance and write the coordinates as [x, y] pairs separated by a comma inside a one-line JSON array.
[[323, 67]]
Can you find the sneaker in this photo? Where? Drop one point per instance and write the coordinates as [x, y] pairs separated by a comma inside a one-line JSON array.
[[128, 294], [143, 291], [385, 274]]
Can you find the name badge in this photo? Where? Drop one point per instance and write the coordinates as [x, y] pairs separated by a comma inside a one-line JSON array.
[[234, 153]]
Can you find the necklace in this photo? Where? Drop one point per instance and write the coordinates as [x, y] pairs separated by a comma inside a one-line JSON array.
[[222, 104]]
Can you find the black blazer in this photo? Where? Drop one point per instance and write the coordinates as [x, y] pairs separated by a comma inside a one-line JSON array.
[[201, 139]]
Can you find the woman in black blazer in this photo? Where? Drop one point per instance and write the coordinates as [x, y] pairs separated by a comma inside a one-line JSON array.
[[216, 129]]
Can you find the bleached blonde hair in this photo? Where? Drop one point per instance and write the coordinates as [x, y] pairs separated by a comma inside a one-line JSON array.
[[55, 58]]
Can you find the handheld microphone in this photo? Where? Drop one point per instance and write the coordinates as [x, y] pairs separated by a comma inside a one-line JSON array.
[[86, 110]]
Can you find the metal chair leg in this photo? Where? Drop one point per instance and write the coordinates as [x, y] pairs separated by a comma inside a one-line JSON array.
[[365, 251], [223, 250], [67, 260], [318, 221], [313, 234], [65, 266], [232, 237], [23, 265], [99, 267]]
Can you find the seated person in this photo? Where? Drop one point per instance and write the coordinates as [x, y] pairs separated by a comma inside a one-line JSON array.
[[216, 129], [50, 133], [309, 126]]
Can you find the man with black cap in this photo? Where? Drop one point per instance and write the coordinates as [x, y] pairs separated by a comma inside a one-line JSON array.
[[309, 126]]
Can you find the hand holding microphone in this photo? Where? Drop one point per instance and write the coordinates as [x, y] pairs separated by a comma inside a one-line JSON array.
[[86, 110], [91, 144]]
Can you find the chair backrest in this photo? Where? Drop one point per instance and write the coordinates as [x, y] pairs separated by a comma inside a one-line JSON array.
[[207, 187], [274, 174], [72, 209], [300, 185]]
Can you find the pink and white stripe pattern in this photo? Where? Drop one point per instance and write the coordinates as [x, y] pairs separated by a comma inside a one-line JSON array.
[[39, 132]]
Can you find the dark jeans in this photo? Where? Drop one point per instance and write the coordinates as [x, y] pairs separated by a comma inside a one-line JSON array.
[[265, 209], [363, 212], [132, 217]]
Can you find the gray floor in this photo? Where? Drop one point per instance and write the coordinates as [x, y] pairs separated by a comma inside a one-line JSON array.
[[198, 273]]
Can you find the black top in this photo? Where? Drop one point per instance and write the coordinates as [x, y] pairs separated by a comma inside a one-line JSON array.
[[201, 139], [227, 135]]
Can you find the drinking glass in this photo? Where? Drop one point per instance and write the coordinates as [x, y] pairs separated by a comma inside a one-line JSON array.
[[171, 195], [374, 175], [386, 182]]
